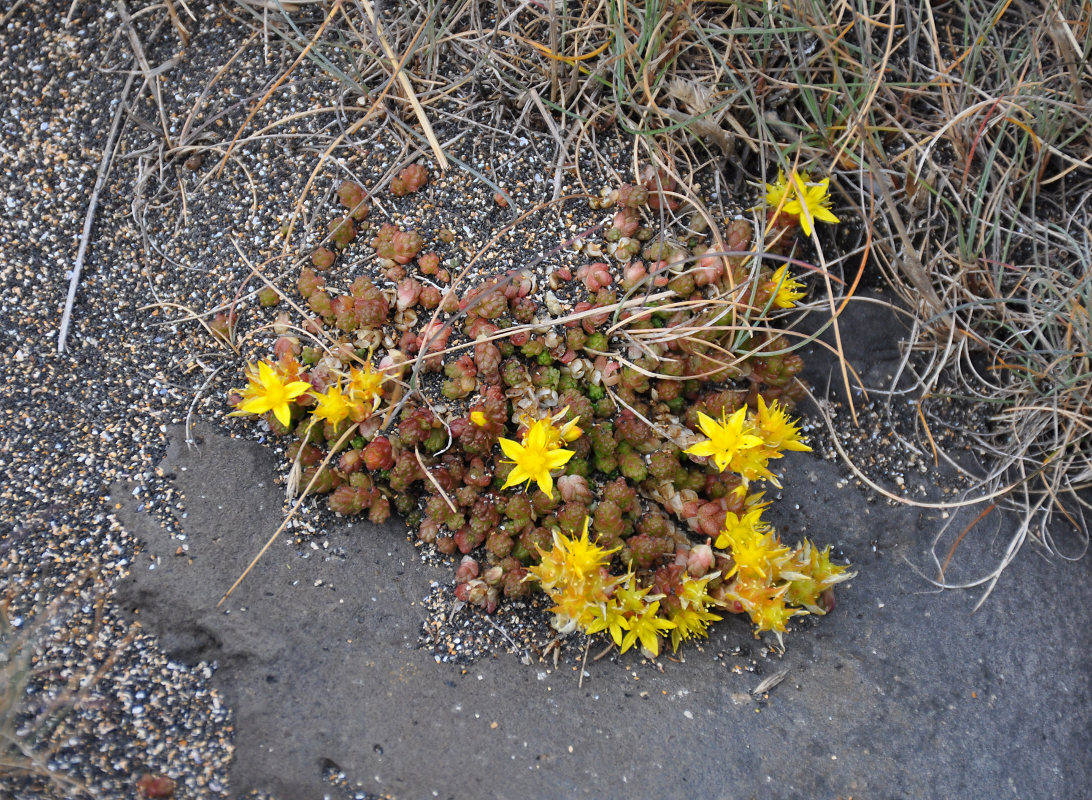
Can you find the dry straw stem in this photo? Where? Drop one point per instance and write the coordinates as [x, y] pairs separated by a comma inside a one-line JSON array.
[[277, 83], [407, 87], [989, 497], [396, 71], [89, 218], [150, 76], [967, 126], [288, 517]]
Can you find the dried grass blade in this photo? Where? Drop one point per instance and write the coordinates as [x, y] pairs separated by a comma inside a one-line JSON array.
[[407, 88], [92, 206]]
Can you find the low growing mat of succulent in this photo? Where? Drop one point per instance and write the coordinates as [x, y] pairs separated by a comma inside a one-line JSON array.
[[603, 435]]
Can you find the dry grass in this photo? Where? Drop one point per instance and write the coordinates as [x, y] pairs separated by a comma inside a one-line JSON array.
[[997, 194], [957, 136]]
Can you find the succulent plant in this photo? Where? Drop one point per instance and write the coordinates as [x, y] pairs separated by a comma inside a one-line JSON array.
[[653, 518], [429, 263], [409, 180], [352, 198], [342, 232], [630, 196], [397, 245], [595, 276]]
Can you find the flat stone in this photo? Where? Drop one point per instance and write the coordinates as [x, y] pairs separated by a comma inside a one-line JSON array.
[[901, 691]]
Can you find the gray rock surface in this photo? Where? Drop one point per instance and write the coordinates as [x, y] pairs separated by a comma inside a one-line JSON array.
[[900, 692]]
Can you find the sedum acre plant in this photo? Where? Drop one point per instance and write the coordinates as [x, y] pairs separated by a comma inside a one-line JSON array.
[[602, 448], [800, 199]]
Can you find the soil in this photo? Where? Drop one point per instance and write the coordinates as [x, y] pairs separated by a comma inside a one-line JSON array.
[[341, 659]]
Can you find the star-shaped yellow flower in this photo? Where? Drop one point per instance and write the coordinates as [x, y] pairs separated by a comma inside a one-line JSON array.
[[331, 406], [693, 616], [582, 555], [629, 598], [776, 429], [267, 390], [739, 529], [568, 432], [646, 627], [771, 613], [788, 290], [366, 386], [800, 195], [726, 438], [779, 192], [534, 458], [690, 622], [608, 617]]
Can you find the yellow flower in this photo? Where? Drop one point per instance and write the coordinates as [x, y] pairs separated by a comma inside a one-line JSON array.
[[646, 627], [478, 418], [765, 605], [690, 622], [534, 458], [627, 609], [812, 573], [745, 594], [775, 428], [569, 432], [366, 386], [801, 196], [629, 598], [582, 556], [726, 438], [759, 555], [573, 574], [608, 617], [770, 613], [269, 391], [331, 406], [753, 465], [788, 290], [755, 547], [741, 529], [779, 192], [693, 615], [823, 570], [695, 591], [572, 610]]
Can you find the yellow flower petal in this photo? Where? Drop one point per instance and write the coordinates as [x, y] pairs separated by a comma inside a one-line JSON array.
[[545, 482], [802, 197], [516, 477], [283, 414], [514, 450], [558, 458], [787, 290], [701, 449], [708, 425]]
